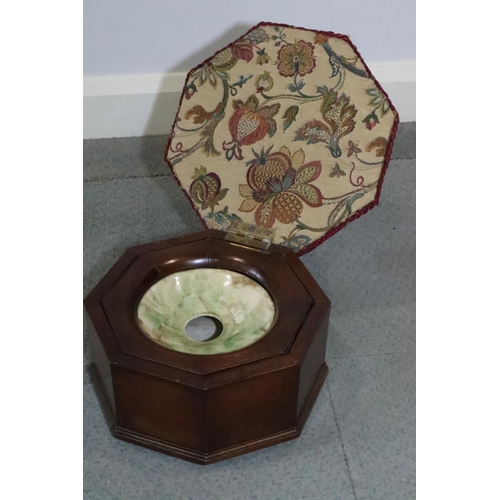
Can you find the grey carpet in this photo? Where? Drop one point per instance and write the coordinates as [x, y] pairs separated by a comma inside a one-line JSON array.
[[359, 442]]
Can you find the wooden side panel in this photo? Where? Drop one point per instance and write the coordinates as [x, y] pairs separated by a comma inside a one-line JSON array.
[[161, 409], [100, 372], [312, 362], [252, 409]]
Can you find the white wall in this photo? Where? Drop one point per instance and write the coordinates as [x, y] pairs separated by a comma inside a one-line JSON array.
[[157, 36], [136, 52]]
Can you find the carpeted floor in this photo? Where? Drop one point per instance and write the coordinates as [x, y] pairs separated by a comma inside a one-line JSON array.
[[359, 441]]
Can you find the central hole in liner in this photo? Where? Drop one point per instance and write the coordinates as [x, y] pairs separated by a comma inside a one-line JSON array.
[[203, 328]]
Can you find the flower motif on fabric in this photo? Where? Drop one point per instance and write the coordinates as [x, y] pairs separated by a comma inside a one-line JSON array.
[[371, 120], [381, 105], [217, 68], [278, 186], [221, 220], [255, 38], [337, 171], [249, 124], [338, 113], [205, 189], [321, 38], [200, 115], [242, 50], [296, 59], [262, 57], [353, 149], [297, 242], [212, 71], [379, 145]]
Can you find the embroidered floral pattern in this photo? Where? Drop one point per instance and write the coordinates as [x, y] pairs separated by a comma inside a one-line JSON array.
[[353, 149], [297, 242], [337, 171], [379, 145], [297, 58], [338, 113], [286, 128], [371, 120], [249, 124], [262, 57], [289, 116], [206, 189], [278, 185], [214, 70], [321, 38], [220, 220], [380, 104]]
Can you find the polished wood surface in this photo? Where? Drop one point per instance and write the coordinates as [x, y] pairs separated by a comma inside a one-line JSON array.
[[208, 408]]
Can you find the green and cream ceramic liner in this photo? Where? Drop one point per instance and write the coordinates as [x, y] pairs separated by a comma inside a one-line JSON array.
[[244, 308]]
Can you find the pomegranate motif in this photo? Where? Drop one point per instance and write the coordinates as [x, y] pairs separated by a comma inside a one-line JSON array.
[[205, 189], [249, 124], [278, 184]]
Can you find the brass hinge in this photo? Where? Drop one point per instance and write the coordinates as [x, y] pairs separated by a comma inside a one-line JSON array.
[[250, 235]]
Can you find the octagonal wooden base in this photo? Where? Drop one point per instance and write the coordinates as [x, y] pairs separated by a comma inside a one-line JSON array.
[[191, 455], [208, 408]]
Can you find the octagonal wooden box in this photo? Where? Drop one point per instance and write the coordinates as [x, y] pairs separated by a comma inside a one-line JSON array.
[[208, 408]]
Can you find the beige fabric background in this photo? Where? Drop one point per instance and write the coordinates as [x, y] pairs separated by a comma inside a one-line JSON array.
[[356, 171]]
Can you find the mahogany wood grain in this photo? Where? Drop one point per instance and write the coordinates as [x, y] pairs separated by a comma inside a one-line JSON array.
[[207, 408]]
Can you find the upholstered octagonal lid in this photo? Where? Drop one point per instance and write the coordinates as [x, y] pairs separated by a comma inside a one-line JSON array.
[[285, 128]]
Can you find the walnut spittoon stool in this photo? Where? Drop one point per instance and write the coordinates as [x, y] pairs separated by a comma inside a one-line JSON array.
[[280, 140]]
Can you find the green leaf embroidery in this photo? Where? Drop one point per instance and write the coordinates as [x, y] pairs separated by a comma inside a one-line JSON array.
[[337, 171], [222, 194], [289, 116]]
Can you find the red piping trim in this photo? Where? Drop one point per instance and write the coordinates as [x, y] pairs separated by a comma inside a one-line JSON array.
[[388, 151]]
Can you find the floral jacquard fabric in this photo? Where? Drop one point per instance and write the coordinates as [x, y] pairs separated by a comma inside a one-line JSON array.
[[286, 129]]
